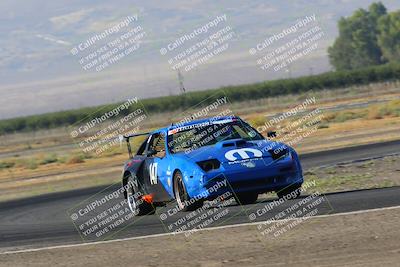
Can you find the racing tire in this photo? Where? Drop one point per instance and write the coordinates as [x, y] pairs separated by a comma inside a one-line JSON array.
[[135, 204], [246, 198], [294, 191], [182, 197]]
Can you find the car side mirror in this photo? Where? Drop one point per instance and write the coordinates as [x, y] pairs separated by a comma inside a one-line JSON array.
[[271, 134]]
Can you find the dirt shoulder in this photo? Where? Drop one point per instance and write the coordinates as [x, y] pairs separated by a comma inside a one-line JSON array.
[[366, 239]]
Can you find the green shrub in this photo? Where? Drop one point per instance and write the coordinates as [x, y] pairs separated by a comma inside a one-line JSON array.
[[51, 158], [75, 159], [323, 126], [6, 164], [348, 115], [390, 109], [30, 163]]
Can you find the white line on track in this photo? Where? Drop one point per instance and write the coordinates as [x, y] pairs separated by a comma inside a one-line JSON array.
[[199, 230]]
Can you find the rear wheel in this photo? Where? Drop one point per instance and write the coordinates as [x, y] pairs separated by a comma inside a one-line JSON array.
[[292, 192], [182, 198], [135, 203], [246, 198]]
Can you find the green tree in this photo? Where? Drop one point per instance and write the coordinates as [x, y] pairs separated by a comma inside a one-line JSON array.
[[377, 10], [340, 52], [357, 43], [389, 36]]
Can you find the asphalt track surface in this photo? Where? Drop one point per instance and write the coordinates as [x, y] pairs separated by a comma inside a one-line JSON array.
[[46, 220]]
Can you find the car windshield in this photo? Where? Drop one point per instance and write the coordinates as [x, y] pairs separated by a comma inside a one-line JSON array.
[[200, 135]]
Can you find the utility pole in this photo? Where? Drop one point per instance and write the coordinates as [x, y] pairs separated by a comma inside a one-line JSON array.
[[180, 80], [311, 71], [289, 72]]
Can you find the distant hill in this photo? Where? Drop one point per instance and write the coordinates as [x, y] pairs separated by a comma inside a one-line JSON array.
[[39, 74]]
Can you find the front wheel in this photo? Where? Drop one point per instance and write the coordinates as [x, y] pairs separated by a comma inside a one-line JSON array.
[[182, 198], [246, 198], [136, 204], [290, 192]]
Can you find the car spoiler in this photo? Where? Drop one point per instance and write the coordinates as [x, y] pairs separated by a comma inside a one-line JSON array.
[[128, 144]]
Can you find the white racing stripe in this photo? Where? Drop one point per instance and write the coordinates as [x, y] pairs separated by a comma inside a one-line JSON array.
[[198, 230]]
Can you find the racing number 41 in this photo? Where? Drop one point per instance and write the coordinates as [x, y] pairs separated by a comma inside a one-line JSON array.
[[153, 172]]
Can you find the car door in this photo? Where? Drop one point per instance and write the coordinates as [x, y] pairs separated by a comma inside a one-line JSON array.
[[156, 167]]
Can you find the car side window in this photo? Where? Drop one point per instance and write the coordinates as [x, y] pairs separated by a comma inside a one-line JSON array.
[[157, 144], [142, 148]]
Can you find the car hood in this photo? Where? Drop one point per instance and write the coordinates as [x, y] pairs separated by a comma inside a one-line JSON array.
[[233, 150]]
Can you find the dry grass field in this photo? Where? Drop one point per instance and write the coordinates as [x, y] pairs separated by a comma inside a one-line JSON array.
[[49, 161]]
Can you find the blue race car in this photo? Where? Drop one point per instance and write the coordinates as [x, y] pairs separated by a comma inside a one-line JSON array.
[[200, 160]]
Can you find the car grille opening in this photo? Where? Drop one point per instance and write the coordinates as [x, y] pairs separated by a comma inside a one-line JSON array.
[[278, 152], [209, 165]]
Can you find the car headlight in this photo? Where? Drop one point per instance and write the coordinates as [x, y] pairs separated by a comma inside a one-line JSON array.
[[210, 164]]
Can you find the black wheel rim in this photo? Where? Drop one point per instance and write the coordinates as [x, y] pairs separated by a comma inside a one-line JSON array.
[[130, 198]]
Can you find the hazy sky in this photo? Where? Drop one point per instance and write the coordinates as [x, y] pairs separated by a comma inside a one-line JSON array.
[[38, 72]]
